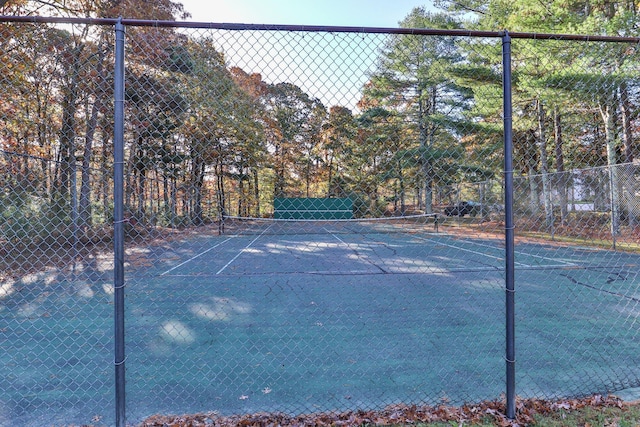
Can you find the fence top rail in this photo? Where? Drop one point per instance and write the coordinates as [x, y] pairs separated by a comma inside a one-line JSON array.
[[316, 28]]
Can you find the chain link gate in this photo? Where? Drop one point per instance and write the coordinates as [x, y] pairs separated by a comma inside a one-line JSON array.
[[313, 221]]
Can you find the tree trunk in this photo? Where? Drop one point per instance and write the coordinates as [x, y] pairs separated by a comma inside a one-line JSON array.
[[197, 181], [562, 176], [608, 116], [534, 196], [627, 129], [140, 180], [279, 184], [403, 204], [426, 135], [544, 167], [242, 199], [105, 175], [67, 139], [256, 190], [308, 177], [629, 184], [220, 193], [173, 198], [84, 206], [330, 175], [165, 196]]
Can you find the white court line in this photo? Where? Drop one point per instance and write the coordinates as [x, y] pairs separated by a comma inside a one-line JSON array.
[[194, 257], [337, 238], [242, 251], [347, 244], [471, 251], [454, 247], [567, 263], [361, 257]]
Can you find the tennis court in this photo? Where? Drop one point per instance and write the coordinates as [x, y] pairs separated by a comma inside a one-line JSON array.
[[341, 313], [331, 315]]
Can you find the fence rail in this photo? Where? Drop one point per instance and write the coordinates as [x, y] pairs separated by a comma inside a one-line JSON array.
[[138, 177]]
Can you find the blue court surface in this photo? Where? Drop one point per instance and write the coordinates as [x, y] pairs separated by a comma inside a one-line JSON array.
[[323, 320]]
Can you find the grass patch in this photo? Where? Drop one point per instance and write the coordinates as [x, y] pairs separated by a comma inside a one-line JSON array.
[[627, 416]]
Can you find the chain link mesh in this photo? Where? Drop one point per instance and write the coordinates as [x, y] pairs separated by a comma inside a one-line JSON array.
[[578, 188], [301, 316], [55, 230], [314, 220]]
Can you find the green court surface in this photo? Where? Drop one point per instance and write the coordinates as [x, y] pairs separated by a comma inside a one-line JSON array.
[[325, 321]]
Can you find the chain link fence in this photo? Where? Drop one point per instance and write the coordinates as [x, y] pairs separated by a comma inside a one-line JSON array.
[[313, 221], [56, 268], [579, 204]]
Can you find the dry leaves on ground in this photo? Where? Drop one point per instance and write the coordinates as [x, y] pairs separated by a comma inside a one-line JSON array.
[[526, 409]]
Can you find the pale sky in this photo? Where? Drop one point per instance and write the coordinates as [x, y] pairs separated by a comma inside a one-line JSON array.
[[331, 68], [359, 13]]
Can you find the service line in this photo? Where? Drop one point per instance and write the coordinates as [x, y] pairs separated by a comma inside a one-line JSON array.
[[194, 257], [242, 251]]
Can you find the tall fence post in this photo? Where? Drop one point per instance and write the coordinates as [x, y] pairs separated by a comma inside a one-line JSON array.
[[509, 228], [118, 226]]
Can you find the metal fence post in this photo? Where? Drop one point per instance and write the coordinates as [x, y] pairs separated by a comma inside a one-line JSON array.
[[509, 227], [118, 232]]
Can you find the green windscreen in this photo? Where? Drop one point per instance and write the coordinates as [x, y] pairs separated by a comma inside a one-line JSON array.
[[312, 208]]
